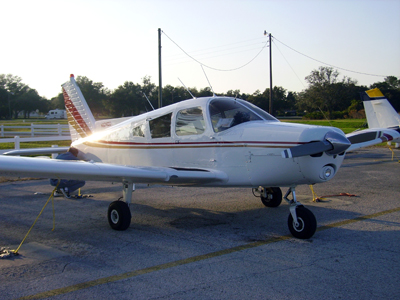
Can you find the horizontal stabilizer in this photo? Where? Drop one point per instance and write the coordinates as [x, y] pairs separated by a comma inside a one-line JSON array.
[[37, 151]]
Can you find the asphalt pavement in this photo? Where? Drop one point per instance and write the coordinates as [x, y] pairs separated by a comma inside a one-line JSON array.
[[207, 243]]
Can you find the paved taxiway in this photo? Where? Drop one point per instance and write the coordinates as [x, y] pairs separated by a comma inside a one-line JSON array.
[[208, 243]]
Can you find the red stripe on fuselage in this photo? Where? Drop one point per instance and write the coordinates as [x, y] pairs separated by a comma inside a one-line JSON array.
[[199, 143]]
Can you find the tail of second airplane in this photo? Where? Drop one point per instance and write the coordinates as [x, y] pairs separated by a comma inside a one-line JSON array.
[[378, 110], [80, 119]]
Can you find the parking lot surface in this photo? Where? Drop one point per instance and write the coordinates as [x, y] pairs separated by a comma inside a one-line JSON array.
[[207, 243]]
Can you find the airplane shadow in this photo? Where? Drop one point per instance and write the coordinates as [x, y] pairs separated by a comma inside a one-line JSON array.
[[231, 214]]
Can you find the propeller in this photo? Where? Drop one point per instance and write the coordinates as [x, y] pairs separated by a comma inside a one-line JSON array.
[[332, 144]]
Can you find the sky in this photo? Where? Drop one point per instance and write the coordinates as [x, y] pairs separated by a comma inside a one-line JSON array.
[[216, 41]]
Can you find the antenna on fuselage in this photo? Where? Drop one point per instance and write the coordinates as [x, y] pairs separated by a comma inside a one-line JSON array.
[[148, 100], [187, 89], [208, 80]]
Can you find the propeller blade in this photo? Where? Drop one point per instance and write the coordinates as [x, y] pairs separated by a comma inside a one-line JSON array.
[[333, 143], [307, 149]]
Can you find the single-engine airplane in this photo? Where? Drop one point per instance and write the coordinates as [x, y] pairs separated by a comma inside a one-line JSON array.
[[211, 141], [379, 112]]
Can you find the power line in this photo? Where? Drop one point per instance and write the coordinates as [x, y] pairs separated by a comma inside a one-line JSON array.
[[289, 64], [212, 68], [327, 63], [211, 50], [186, 59]]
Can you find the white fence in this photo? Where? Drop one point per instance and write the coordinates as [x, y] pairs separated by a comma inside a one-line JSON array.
[[34, 130], [37, 133]]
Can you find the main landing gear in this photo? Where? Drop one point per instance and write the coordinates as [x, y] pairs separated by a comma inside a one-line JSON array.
[[301, 221], [119, 215]]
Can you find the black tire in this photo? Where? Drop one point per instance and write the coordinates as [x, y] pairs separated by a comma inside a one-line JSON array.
[[307, 223], [276, 199], [119, 215]]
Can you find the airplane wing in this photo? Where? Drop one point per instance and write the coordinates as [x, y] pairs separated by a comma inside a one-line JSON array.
[[373, 136], [81, 170]]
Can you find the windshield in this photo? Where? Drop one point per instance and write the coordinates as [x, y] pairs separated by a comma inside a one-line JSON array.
[[227, 113]]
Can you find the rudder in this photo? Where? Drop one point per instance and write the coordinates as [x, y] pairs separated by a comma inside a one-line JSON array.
[[80, 119], [378, 110]]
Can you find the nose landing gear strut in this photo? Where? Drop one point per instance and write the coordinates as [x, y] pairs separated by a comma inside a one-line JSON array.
[[301, 221]]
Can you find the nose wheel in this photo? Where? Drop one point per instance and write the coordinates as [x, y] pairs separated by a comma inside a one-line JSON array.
[[306, 224], [301, 221]]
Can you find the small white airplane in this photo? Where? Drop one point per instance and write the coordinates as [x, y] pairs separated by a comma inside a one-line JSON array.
[[380, 113], [211, 141]]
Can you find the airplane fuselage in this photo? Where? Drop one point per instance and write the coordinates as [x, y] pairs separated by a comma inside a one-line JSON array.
[[216, 133]]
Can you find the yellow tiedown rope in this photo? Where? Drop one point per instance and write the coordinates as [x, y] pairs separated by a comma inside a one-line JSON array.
[[393, 155], [54, 218]]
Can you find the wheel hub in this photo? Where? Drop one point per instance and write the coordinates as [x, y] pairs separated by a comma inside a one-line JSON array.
[[114, 216], [299, 227]]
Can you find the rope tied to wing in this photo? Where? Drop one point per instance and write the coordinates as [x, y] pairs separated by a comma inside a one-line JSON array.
[[15, 252], [322, 199]]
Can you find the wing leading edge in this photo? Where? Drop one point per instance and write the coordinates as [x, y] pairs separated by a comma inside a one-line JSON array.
[[370, 137], [81, 170]]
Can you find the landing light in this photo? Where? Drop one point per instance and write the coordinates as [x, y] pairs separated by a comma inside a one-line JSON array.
[[327, 172]]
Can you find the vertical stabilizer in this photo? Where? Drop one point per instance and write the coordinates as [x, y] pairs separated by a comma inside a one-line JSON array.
[[380, 113], [80, 119]]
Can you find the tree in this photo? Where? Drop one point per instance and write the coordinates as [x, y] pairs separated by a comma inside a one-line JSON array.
[[327, 92], [205, 92], [173, 94], [57, 102], [126, 100], [260, 99], [20, 97], [4, 109], [27, 102], [237, 94], [151, 92], [94, 92], [390, 87]]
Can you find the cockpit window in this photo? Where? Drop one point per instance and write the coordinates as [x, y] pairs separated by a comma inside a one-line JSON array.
[[227, 113], [189, 121], [263, 114]]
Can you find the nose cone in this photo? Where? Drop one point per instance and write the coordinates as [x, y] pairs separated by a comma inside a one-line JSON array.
[[339, 142]]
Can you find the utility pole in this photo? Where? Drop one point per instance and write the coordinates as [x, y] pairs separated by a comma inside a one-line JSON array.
[[270, 75], [159, 70]]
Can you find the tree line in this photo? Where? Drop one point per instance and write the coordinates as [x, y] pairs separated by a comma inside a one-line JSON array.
[[327, 96]]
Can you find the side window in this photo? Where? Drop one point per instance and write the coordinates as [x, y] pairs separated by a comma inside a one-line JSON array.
[[189, 121], [138, 131], [161, 127], [125, 133]]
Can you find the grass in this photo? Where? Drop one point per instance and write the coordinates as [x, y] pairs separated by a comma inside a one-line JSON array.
[[25, 122]]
